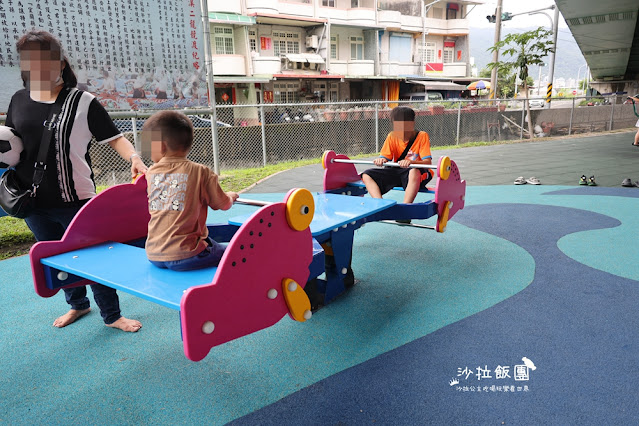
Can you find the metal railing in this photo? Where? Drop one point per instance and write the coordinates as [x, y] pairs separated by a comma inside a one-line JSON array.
[[261, 134]]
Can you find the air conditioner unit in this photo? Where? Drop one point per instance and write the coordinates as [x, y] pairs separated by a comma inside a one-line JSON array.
[[312, 42]]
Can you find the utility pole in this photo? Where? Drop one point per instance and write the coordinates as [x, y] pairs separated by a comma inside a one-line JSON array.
[[551, 73], [493, 74]]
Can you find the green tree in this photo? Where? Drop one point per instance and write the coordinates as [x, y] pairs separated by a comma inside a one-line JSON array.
[[523, 50], [505, 83]]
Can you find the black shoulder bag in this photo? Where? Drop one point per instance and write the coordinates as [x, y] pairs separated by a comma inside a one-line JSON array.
[[14, 200], [410, 144]]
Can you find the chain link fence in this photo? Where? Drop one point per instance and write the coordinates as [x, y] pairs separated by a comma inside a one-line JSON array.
[[256, 135]]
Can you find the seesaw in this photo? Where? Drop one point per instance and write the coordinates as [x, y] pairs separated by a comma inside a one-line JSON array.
[[260, 277], [341, 177], [338, 214]]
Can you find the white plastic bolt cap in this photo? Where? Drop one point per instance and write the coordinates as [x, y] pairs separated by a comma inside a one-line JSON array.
[[208, 327], [272, 294]]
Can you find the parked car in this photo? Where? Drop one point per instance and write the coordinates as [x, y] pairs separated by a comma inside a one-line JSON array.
[[426, 96], [537, 103]]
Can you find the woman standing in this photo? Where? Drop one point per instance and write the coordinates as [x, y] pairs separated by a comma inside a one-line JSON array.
[[68, 182]]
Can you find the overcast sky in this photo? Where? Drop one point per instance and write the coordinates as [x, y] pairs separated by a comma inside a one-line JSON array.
[[477, 16]]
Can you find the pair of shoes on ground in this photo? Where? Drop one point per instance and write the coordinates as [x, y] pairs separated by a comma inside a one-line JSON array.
[[532, 180], [629, 183], [583, 180]]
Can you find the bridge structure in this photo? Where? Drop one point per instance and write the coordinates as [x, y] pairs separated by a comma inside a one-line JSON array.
[[608, 36]]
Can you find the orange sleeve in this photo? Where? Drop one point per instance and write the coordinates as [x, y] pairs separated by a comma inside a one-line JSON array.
[[423, 147], [386, 151]]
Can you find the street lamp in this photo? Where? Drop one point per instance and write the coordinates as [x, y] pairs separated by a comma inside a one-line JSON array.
[[579, 72]]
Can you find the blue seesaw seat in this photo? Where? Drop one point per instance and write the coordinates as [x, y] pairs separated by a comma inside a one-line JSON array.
[[126, 267]]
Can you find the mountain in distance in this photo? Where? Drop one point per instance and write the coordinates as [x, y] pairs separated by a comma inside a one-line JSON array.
[[568, 57]]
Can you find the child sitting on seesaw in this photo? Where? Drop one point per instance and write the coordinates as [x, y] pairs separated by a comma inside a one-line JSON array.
[[405, 146], [180, 191]]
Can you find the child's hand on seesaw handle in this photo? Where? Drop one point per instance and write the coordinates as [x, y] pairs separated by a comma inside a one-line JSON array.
[[405, 163], [379, 161], [233, 196]]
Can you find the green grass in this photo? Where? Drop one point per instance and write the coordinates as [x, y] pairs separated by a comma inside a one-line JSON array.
[[16, 238]]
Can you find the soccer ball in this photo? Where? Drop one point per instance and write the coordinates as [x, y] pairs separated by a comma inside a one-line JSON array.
[[10, 147]]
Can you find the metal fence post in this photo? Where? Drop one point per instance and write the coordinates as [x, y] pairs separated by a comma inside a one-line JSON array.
[[262, 120], [376, 127], [612, 111], [572, 111], [458, 121], [134, 127]]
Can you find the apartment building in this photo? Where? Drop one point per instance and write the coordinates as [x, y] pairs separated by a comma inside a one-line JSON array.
[[337, 50]]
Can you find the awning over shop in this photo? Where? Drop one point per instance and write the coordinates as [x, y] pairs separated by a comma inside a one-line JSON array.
[[312, 58], [438, 85], [230, 18], [238, 79]]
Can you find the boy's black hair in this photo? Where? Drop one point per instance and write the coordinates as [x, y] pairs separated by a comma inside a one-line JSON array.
[[402, 113], [176, 129]]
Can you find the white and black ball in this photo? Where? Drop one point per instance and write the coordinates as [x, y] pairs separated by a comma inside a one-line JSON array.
[[10, 147]]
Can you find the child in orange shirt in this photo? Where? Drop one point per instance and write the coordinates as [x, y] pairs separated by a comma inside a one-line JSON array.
[[180, 193], [379, 181]]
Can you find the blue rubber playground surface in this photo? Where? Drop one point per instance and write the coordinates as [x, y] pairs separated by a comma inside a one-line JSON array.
[[522, 312]]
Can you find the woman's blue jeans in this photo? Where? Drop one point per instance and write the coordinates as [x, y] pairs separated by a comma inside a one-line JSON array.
[[50, 224]]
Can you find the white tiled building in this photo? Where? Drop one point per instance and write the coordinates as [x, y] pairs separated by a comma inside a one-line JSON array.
[[336, 50]]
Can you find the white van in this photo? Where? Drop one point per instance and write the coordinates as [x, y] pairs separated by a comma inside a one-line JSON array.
[[426, 96]]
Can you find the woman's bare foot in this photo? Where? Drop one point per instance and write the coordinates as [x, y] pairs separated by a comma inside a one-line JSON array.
[[126, 324], [70, 317]]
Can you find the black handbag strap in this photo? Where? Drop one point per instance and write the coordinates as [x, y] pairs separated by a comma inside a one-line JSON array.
[[410, 144], [49, 126]]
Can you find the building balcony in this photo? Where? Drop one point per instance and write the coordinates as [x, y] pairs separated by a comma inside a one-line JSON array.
[[361, 16], [229, 65], [447, 27], [267, 65], [363, 67], [389, 18], [338, 67], [394, 68], [226, 6], [412, 23], [297, 8], [455, 69], [262, 6]]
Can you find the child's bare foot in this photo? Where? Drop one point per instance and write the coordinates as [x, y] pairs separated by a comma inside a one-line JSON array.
[[70, 317], [126, 324]]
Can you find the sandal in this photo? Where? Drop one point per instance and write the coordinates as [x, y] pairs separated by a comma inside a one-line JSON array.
[[520, 180], [591, 181], [533, 181], [627, 183], [583, 180]]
